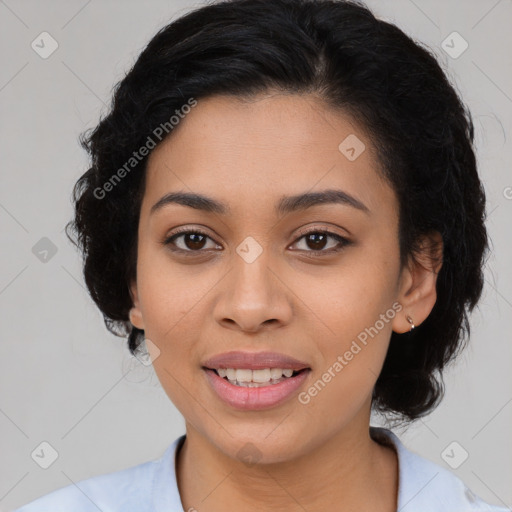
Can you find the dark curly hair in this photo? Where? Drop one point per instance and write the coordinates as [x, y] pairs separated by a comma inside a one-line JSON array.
[[340, 51]]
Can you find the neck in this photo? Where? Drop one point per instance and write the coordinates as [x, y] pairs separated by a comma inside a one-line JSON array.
[[349, 472]]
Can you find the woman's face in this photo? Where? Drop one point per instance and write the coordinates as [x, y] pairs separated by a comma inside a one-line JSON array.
[[252, 280]]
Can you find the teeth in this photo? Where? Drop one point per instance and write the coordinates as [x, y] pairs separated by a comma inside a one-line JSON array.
[[244, 375], [259, 375], [254, 378], [276, 373]]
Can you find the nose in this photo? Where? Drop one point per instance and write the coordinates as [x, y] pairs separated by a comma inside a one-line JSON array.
[[253, 297]]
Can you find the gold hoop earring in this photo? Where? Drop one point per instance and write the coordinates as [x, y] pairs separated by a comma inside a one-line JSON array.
[[409, 319]]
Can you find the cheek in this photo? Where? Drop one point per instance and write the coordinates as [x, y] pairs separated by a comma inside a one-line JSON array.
[[350, 298], [169, 295], [171, 298], [352, 358], [354, 304]]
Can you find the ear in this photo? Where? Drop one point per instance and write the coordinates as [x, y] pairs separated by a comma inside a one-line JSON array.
[[417, 289], [136, 312]]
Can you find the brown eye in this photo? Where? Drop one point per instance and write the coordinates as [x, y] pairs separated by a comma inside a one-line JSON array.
[[315, 242], [189, 241], [194, 241], [318, 242]]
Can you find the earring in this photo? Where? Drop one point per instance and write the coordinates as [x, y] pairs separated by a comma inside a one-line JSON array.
[[409, 319]]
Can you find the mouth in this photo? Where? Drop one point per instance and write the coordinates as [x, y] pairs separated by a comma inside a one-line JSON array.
[[251, 390], [246, 377]]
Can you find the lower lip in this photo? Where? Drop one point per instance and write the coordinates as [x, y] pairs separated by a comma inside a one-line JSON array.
[[251, 399]]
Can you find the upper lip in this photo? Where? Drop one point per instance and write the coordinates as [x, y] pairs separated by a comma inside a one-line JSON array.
[[254, 361]]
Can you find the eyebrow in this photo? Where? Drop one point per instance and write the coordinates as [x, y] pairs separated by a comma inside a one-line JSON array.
[[286, 204]]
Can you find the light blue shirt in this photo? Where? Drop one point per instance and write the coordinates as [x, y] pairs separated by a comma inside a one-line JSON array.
[[151, 487]]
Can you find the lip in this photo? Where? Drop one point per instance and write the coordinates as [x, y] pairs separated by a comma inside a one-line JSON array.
[[254, 361], [252, 399]]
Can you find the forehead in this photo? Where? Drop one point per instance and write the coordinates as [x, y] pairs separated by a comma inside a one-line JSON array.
[[256, 150]]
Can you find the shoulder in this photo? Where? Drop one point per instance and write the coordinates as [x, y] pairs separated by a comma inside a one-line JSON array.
[[132, 489], [428, 487], [121, 490]]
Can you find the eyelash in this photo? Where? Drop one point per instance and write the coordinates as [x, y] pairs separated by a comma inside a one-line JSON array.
[[168, 241]]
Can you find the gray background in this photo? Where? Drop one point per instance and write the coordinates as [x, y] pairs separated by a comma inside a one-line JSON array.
[[61, 371]]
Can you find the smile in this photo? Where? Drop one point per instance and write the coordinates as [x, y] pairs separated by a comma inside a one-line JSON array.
[[253, 395], [255, 378]]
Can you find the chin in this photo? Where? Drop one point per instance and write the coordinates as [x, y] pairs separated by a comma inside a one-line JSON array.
[[264, 446]]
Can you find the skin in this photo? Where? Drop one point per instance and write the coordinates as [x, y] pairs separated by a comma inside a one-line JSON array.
[[247, 154]]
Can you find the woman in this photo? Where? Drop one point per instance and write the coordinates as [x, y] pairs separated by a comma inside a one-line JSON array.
[[283, 207]]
